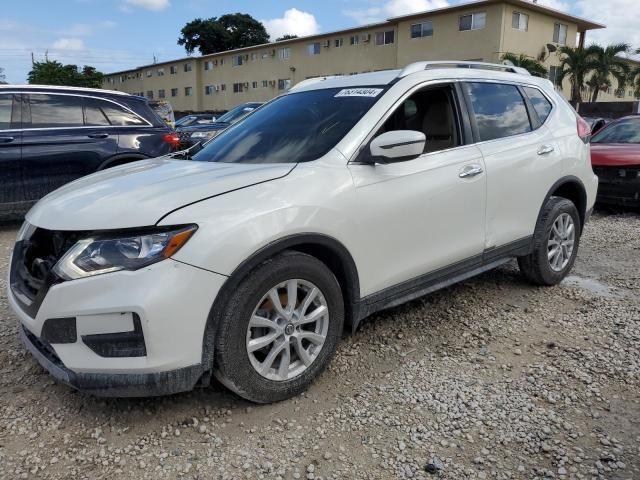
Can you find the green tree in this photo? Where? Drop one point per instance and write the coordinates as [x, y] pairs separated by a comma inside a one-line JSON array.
[[533, 66], [52, 72], [286, 37], [219, 34], [608, 63], [575, 64]]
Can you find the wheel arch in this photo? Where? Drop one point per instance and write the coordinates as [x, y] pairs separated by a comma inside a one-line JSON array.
[[325, 248], [120, 159], [571, 188]]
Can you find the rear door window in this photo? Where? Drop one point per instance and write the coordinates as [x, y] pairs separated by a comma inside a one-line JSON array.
[[55, 111], [6, 102], [541, 104], [498, 109]]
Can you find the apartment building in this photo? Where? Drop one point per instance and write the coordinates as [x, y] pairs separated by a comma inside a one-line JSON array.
[[479, 31]]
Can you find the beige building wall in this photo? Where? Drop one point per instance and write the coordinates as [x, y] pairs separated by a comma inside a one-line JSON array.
[[218, 82]]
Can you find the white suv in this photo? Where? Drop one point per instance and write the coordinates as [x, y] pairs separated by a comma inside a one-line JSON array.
[[343, 197]]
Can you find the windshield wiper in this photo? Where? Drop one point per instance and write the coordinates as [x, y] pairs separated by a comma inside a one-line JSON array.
[[188, 153]]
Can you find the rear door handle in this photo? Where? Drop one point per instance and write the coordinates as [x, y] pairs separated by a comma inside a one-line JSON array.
[[470, 171], [545, 149], [98, 135], [6, 139]]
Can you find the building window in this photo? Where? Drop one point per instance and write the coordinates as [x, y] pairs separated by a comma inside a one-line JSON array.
[[313, 48], [474, 21], [161, 72], [354, 40], [149, 73], [208, 90], [284, 84], [338, 42], [520, 21], [385, 38], [188, 91], [223, 86], [187, 67], [560, 34], [424, 29], [173, 70], [254, 57], [174, 92], [238, 87], [208, 65], [265, 83], [149, 93], [555, 75], [237, 60], [254, 85], [285, 53], [161, 93]]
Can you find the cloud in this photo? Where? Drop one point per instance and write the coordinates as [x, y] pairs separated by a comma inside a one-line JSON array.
[[556, 5], [155, 5], [68, 44], [393, 8], [620, 17], [294, 22], [86, 29]]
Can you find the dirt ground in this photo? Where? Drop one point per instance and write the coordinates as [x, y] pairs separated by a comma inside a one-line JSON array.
[[491, 378]]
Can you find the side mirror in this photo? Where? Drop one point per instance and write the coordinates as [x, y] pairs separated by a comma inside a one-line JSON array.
[[398, 146]]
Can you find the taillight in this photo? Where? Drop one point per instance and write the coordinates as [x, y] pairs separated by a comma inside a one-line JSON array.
[[172, 139], [584, 129]]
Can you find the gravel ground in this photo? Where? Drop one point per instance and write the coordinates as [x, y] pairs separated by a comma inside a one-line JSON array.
[[491, 378]]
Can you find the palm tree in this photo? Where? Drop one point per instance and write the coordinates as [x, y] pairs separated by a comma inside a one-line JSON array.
[[597, 83], [634, 77], [609, 63], [533, 66], [576, 64]]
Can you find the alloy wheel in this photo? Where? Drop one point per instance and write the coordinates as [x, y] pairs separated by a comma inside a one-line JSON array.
[[561, 242], [287, 329]]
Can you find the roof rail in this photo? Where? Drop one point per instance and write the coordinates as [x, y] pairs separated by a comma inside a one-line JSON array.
[[420, 66], [310, 81], [62, 87]]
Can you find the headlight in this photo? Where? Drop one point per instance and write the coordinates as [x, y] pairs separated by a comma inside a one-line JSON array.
[[94, 256], [201, 134]]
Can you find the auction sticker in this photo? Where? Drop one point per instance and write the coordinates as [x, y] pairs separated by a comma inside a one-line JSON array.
[[359, 92]]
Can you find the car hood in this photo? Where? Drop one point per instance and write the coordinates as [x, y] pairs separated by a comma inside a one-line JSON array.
[[141, 193], [615, 155]]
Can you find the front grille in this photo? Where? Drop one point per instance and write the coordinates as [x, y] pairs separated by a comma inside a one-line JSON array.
[[617, 173], [34, 257]]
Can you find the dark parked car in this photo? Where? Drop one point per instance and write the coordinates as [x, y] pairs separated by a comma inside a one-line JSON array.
[[50, 136], [615, 157], [201, 133], [195, 119]]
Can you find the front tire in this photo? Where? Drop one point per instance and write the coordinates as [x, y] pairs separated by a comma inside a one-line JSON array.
[[555, 243], [279, 329]]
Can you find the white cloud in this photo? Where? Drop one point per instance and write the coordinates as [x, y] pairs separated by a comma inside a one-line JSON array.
[[155, 5], [620, 17], [294, 22], [393, 8], [68, 44], [556, 5]]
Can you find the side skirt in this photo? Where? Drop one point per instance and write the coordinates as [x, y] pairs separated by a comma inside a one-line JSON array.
[[441, 278]]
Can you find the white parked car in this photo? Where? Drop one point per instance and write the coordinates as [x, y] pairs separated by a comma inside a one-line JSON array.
[[341, 198]]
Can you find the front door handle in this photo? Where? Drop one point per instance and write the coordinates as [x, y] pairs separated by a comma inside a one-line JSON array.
[[470, 171], [6, 139], [545, 149], [98, 135]]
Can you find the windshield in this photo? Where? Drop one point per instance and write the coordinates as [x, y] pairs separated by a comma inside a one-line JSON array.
[[294, 128], [184, 121], [232, 116], [624, 131]]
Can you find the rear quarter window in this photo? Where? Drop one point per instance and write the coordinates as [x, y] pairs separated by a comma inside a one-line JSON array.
[[498, 109], [541, 104]]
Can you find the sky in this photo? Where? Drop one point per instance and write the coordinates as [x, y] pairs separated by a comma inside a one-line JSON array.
[[114, 35]]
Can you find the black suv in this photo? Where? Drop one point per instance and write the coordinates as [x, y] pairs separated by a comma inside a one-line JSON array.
[[51, 135]]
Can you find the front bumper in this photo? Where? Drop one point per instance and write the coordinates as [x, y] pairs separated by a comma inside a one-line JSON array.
[[171, 302], [619, 186]]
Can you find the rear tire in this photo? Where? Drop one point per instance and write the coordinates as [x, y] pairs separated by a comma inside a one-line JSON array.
[[299, 336], [555, 243]]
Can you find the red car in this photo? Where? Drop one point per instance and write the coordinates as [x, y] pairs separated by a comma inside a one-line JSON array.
[[615, 156]]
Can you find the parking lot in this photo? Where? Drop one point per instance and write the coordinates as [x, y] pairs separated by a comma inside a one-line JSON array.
[[491, 378]]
